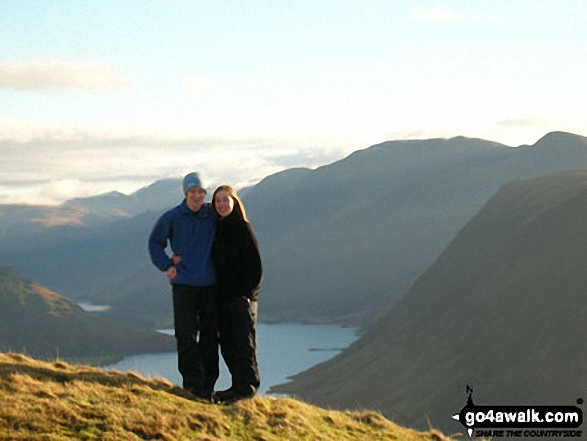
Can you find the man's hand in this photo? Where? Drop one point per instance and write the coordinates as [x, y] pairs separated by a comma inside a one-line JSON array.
[[171, 273]]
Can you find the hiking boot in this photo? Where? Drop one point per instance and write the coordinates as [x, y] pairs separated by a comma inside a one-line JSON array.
[[223, 393], [203, 394], [230, 396]]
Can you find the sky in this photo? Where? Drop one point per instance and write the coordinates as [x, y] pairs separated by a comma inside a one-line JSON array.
[[101, 95]]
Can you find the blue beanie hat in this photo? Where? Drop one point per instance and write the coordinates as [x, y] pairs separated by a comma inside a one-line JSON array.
[[191, 180]]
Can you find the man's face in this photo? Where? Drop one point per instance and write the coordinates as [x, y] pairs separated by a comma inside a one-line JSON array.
[[195, 198]]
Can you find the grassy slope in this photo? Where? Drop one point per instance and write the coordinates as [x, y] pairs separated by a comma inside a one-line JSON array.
[[57, 401], [503, 308]]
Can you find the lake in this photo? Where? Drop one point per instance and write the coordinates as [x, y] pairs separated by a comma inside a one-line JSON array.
[[284, 349]]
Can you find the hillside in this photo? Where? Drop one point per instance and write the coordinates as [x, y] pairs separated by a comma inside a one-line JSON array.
[[40, 322], [341, 243], [59, 401], [503, 308], [348, 239]]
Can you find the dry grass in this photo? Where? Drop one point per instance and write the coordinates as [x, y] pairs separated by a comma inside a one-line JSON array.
[[58, 401]]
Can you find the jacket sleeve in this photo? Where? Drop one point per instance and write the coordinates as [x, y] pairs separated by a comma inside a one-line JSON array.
[[158, 242], [252, 259]]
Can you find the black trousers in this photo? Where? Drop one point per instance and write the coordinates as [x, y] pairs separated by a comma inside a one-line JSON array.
[[238, 343], [195, 313]]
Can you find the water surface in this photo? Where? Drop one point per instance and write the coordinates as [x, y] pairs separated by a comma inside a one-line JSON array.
[[284, 349]]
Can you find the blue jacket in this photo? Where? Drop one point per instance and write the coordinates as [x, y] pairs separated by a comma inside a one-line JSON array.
[[191, 235]]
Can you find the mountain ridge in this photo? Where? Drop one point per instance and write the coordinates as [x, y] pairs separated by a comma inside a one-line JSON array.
[[424, 193], [341, 243]]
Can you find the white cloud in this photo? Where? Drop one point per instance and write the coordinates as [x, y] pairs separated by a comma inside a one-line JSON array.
[[42, 164], [62, 189], [60, 73]]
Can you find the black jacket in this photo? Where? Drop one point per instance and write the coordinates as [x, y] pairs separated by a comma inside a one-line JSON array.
[[236, 257]]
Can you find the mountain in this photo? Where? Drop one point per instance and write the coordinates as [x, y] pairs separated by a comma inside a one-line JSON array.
[[72, 402], [160, 194], [75, 247], [40, 322], [89, 211], [23, 220], [343, 242], [83, 246], [503, 309], [78, 261]]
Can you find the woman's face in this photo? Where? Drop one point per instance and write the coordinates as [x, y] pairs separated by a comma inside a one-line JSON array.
[[223, 203]]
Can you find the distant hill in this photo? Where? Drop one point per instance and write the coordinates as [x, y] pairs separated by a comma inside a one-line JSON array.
[[503, 309], [25, 220], [160, 194], [345, 241], [40, 322], [79, 261], [89, 211], [341, 243], [77, 248], [70, 402], [85, 245]]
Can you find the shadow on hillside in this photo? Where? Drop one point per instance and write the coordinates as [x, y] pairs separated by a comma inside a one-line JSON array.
[[61, 372]]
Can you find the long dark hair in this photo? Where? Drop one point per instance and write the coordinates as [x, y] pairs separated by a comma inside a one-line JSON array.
[[239, 208]]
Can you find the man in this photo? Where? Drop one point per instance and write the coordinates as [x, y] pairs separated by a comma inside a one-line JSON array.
[[189, 229]]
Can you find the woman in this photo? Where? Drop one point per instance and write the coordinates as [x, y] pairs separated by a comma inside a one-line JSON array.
[[235, 254]]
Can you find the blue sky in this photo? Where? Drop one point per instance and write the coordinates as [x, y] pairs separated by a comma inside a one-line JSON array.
[[111, 95]]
